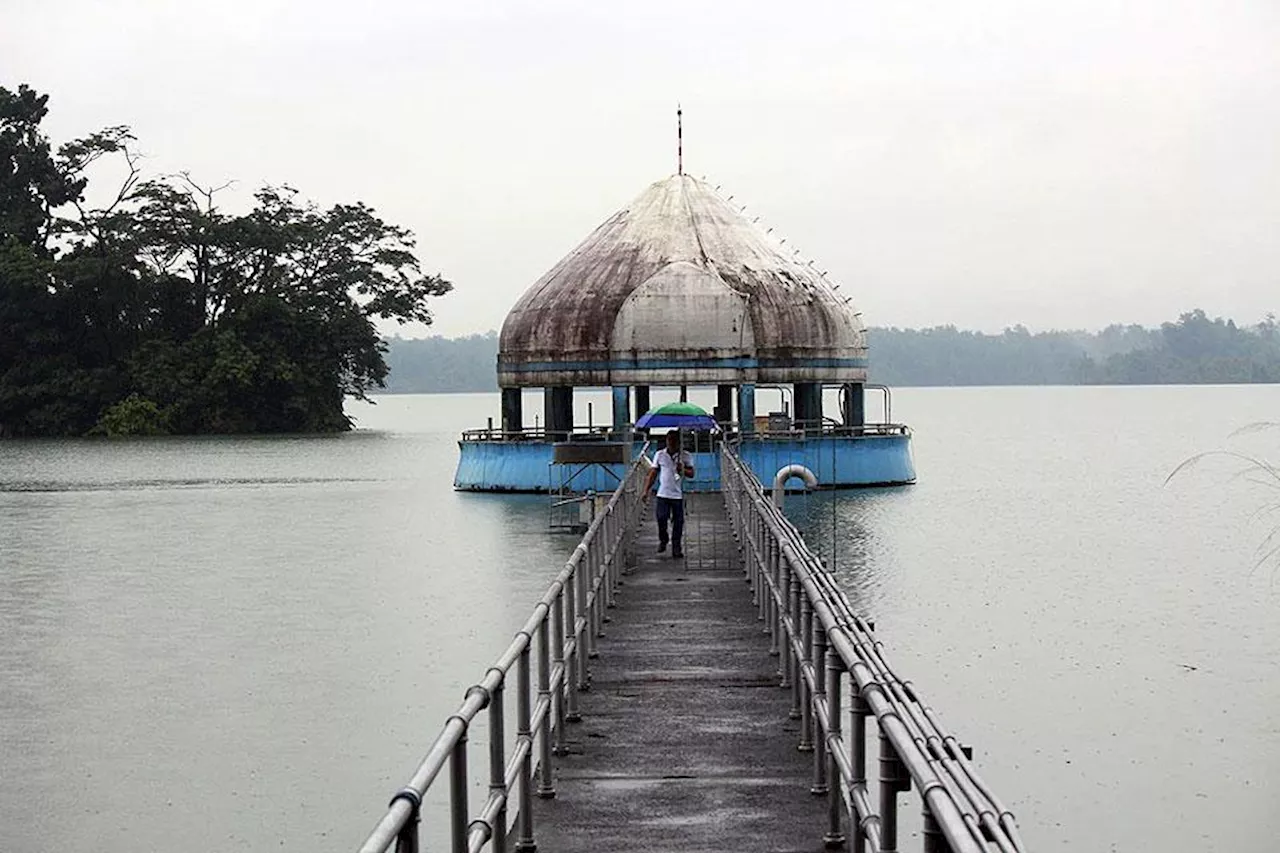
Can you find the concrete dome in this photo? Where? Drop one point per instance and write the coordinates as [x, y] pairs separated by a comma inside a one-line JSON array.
[[680, 288]]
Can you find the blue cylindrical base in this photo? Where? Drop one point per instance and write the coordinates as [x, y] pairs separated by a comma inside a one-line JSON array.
[[837, 461]]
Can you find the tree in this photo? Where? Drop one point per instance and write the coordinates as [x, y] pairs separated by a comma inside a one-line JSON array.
[[223, 322]]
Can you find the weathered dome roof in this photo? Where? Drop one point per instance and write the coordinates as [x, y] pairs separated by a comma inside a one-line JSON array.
[[680, 288]]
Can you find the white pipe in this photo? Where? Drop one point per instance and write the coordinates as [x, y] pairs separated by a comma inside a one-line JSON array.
[[786, 473]]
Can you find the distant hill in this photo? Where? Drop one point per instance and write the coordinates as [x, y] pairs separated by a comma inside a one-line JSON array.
[[1194, 349], [443, 365]]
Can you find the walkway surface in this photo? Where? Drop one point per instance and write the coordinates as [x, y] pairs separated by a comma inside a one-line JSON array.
[[685, 742]]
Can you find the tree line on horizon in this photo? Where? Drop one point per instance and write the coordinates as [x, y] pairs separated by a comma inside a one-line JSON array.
[[1192, 350], [146, 308]]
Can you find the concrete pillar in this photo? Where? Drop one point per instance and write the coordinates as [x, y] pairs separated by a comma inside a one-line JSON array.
[[854, 408], [747, 408], [558, 412], [808, 396], [512, 410], [642, 400], [621, 408], [724, 404]]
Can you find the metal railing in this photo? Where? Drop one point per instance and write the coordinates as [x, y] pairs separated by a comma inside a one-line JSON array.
[[796, 429], [579, 432], [827, 653], [825, 428], [566, 621]]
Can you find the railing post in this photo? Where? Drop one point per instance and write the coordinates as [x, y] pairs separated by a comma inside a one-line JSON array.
[[739, 530], [601, 584], [595, 629], [558, 662], [759, 566], [573, 659], [771, 585], [819, 657], [934, 840], [770, 623], [458, 794], [859, 711], [893, 779], [546, 784], [407, 838], [524, 734], [763, 615], [596, 561], [806, 660], [779, 616], [634, 507], [633, 532], [624, 540], [615, 552], [497, 753], [615, 548], [620, 533], [835, 836], [587, 609], [797, 631], [753, 564]]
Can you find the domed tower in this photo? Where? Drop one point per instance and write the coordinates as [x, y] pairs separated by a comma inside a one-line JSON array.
[[679, 288]]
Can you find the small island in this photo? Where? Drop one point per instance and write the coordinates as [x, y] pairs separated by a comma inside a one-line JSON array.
[[145, 308]]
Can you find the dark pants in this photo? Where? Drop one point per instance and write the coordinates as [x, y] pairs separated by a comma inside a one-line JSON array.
[[673, 508]]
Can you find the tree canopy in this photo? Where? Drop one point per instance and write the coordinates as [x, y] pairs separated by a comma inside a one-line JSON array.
[[158, 311]]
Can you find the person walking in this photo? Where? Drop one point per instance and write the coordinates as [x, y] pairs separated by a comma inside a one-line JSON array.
[[671, 466]]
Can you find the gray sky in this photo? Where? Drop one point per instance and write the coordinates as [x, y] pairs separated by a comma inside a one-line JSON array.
[[981, 163]]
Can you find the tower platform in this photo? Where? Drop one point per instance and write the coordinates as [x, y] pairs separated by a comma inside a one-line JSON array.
[[877, 455]]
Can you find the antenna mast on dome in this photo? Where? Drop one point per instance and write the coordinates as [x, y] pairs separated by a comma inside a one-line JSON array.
[[679, 140]]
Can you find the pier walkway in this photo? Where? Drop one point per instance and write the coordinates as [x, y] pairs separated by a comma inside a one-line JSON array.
[[685, 742], [731, 700]]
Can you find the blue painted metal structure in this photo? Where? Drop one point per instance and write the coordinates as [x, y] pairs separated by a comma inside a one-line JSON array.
[[838, 461]]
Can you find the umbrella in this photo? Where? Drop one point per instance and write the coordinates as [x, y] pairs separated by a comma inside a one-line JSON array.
[[677, 416]]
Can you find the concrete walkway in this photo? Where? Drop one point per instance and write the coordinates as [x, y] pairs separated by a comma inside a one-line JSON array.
[[685, 743]]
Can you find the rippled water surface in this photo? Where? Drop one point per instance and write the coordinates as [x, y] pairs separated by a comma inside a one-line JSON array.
[[248, 643]]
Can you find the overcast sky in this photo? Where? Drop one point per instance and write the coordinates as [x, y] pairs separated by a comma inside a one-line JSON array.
[[985, 163]]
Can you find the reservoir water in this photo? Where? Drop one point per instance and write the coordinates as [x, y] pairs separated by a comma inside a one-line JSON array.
[[247, 644]]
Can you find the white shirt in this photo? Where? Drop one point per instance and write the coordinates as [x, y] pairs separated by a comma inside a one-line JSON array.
[[669, 485]]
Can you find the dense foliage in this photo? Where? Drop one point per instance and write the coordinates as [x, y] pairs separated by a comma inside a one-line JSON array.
[[1194, 349], [158, 312]]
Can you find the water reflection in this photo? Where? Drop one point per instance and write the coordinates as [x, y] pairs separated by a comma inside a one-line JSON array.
[[33, 608], [843, 528]]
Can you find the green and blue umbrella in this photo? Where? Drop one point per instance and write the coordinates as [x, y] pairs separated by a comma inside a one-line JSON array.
[[677, 416]]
